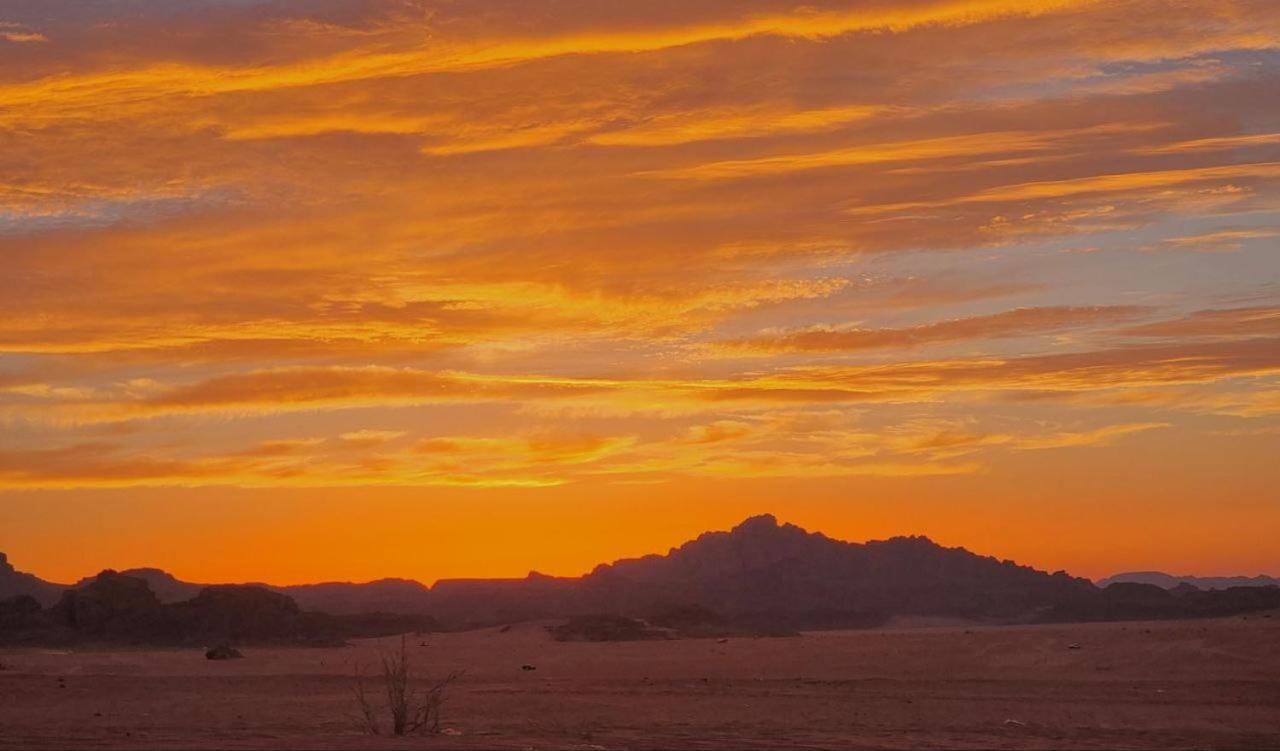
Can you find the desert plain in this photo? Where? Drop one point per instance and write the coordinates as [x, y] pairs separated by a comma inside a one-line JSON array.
[[1185, 684]]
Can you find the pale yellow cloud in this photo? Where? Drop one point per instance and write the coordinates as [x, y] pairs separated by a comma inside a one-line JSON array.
[[22, 37]]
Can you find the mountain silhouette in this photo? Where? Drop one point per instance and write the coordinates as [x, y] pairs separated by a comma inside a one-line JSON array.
[[1169, 581], [14, 583], [165, 586], [346, 598], [774, 575], [339, 598], [116, 608], [762, 576], [763, 569]]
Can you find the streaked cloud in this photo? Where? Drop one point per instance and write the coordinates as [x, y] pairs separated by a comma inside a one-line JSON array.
[[1012, 323], [1217, 241], [566, 249]]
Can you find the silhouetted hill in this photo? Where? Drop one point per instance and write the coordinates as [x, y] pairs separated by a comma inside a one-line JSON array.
[[166, 587], [766, 577], [114, 607], [1129, 601], [119, 609], [1168, 581], [338, 598], [759, 577], [344, 598], [402, 596], [14, 583], [765, 569]]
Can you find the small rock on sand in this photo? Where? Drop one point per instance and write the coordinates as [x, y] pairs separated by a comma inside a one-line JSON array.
[[223, 652]]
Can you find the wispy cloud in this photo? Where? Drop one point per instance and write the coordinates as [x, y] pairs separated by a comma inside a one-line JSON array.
[[1012, 323], [509, 245]]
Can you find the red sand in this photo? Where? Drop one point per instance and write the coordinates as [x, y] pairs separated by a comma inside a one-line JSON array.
[[1190, 684]]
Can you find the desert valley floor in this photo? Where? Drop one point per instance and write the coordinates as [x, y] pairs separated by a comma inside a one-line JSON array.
[[1187, 684]]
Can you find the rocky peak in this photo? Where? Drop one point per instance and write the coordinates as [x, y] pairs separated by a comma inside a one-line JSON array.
[[762, 522], [111, 603], [14, 582]]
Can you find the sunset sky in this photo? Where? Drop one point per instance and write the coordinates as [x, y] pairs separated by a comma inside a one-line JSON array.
[[341, 289]]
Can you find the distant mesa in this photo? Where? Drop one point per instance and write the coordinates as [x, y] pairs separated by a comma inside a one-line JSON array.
[[1134, 601], [166, 587], [115, 608], [112, 607], [1168, 581], [762, 577], [345, 598]]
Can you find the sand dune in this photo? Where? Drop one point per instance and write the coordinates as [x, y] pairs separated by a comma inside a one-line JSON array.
[[1190, 684]]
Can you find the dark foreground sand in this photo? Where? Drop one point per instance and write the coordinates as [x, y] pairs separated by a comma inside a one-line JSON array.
[[1201, 684]]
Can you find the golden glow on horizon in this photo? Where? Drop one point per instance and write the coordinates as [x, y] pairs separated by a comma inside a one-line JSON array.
[[990, 270]]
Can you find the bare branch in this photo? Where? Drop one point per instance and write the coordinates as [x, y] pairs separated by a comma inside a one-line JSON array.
[[411, 710]]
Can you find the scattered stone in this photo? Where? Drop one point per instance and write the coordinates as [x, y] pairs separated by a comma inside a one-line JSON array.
[[505, 629], [1015, 723], [528, 667], [451, 731], [223, 652], [722, 641], [1073, 646]]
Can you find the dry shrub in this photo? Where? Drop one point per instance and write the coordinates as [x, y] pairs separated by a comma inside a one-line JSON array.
[[412, 708]]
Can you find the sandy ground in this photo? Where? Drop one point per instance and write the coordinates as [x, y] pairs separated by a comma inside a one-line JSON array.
[[1200, 684]]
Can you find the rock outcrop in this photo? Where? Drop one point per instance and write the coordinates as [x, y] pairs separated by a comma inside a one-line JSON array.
[[14, 583]]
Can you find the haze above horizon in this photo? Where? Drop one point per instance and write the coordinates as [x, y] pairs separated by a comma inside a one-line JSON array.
[[344, 289]]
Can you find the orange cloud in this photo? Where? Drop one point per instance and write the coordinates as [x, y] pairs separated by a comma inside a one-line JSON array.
[[1238, 323], [1012, 323], [568, 254], [1221, 240]]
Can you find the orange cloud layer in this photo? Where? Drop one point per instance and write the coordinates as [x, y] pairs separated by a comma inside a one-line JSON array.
[[957, 249]]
